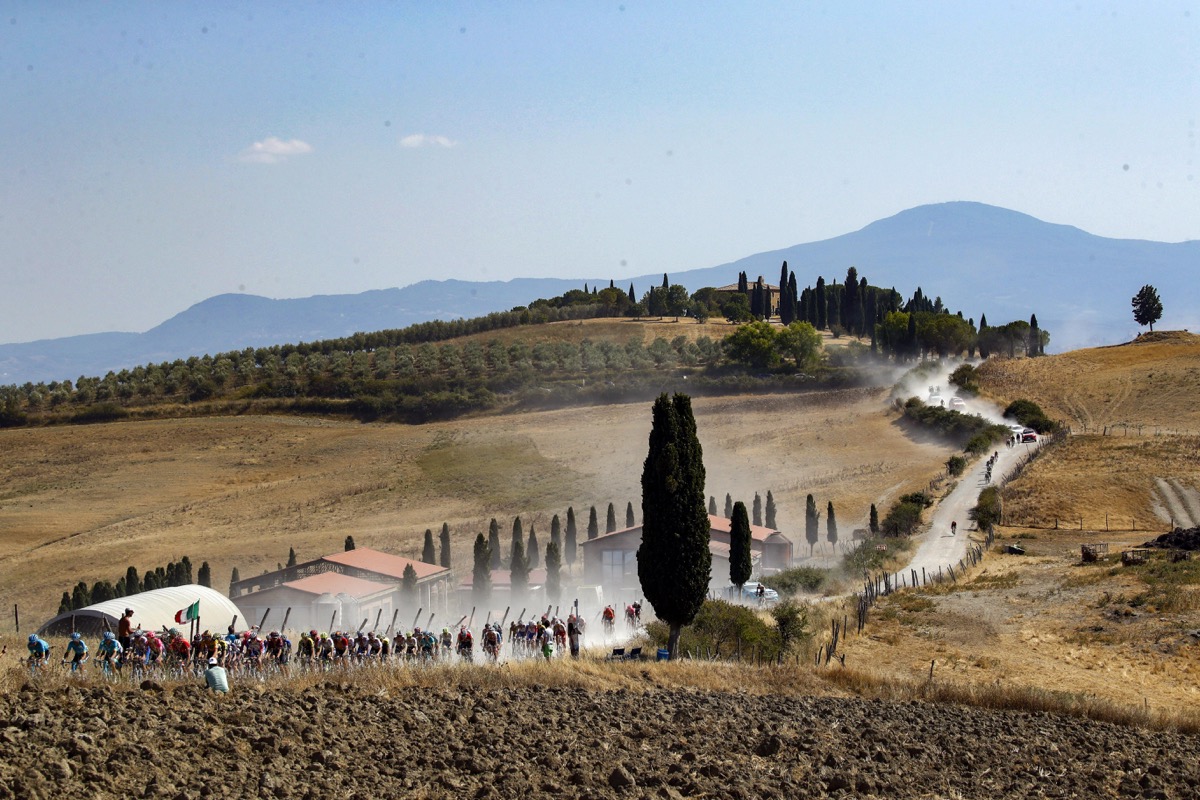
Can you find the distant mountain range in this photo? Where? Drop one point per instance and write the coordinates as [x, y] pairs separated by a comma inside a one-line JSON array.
[[977, 258]]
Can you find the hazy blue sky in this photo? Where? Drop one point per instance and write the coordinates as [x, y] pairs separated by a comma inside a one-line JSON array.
[[155, 154]]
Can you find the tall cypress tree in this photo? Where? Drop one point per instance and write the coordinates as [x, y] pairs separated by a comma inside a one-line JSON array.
[[572, 542], [203, 575], [408, 585], [532, 554], [821, 305], [593, 524], [757, 509], [518, 571], [556, 533], [610, 524], [481, 573], [739, 547], [445, 546], [810, 523], [518, 538], [769, 517], [981, 337], [133, 584], [1035, 337], [674, 561], [849, 304], [291, 562], [428, 554], [712, 505], [874, 523], [831, 532], [553, 572], [493, 544], [630, 519]]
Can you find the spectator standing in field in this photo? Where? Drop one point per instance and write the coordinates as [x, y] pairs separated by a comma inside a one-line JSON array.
[[125, 629], [215, 677]]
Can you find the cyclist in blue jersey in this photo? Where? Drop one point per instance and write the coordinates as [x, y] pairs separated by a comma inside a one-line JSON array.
[[39, 650], [77, 650], [109, 652]]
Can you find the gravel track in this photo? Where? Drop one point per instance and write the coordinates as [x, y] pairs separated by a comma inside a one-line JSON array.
[[337, 740]]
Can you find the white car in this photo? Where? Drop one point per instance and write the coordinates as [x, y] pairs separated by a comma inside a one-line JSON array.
[[957, 404], [750, 592]]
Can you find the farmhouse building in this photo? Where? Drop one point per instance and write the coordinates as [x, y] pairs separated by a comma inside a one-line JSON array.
[[611, 559], [772, 293], [345, 590]]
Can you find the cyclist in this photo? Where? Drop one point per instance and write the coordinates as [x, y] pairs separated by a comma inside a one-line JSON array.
[[306, 649], [77, 650], [110, 652], [278, 648], [466, 642], [610, 617], [39, 651], [447, 641], [954, 527]]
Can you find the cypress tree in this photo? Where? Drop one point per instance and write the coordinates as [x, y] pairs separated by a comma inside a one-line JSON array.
[[593, 525], [120, 587], [821, 305], [428, 554], [556, 533], [481, 573], [493, 544], [769, 518], [712, 505], [874, 523], [233, 578], [610, 524], [981, 338], [518, 570], [133, 584], [102, 591], [831, 532], [64, 605], [1035, 338], [408, 585], [349, 543], [445, 546], [204, 576], [632, 296], [572, 537], [757, 509], [553, 572], [674, 561], [81, 596], [630, 520], [810, 523], [739, 547], [291, 562], [518, 538], [743, 284], [849, 304], [728, 506], [531, 548]]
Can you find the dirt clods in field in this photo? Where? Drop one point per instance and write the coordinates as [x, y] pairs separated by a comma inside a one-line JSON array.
[[335, 740]]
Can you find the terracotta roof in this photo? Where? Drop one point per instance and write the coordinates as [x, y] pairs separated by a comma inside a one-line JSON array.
[[757, 532], [383, 563], [334, 583]]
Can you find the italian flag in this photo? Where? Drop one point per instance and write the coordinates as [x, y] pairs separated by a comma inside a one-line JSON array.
[[188, 614]]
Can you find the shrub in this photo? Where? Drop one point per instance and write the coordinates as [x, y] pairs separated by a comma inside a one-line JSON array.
[[965, 379], [921, 499], [955, 466], [792, 581], [718, 628], [902, 519], [1030, 414], [791, 623], [986, 512]]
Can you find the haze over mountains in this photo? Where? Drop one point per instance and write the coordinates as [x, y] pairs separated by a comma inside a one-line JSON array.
[[977, 258]]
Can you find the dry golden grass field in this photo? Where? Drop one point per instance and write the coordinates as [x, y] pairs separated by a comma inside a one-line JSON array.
[[84, 502]]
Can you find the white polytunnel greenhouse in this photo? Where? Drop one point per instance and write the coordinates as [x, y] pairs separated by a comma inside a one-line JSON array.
[[152, 610]]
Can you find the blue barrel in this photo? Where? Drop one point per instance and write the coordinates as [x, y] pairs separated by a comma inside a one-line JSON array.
[[663, 655]]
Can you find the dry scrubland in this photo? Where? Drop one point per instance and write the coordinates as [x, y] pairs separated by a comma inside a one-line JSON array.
[[1150, 382]]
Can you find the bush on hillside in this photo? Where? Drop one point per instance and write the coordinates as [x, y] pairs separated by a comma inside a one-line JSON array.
[[955, 466], [965, 378], [986, 512], [902, 519], [1030, 414], [718, 629], [792, 581]]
